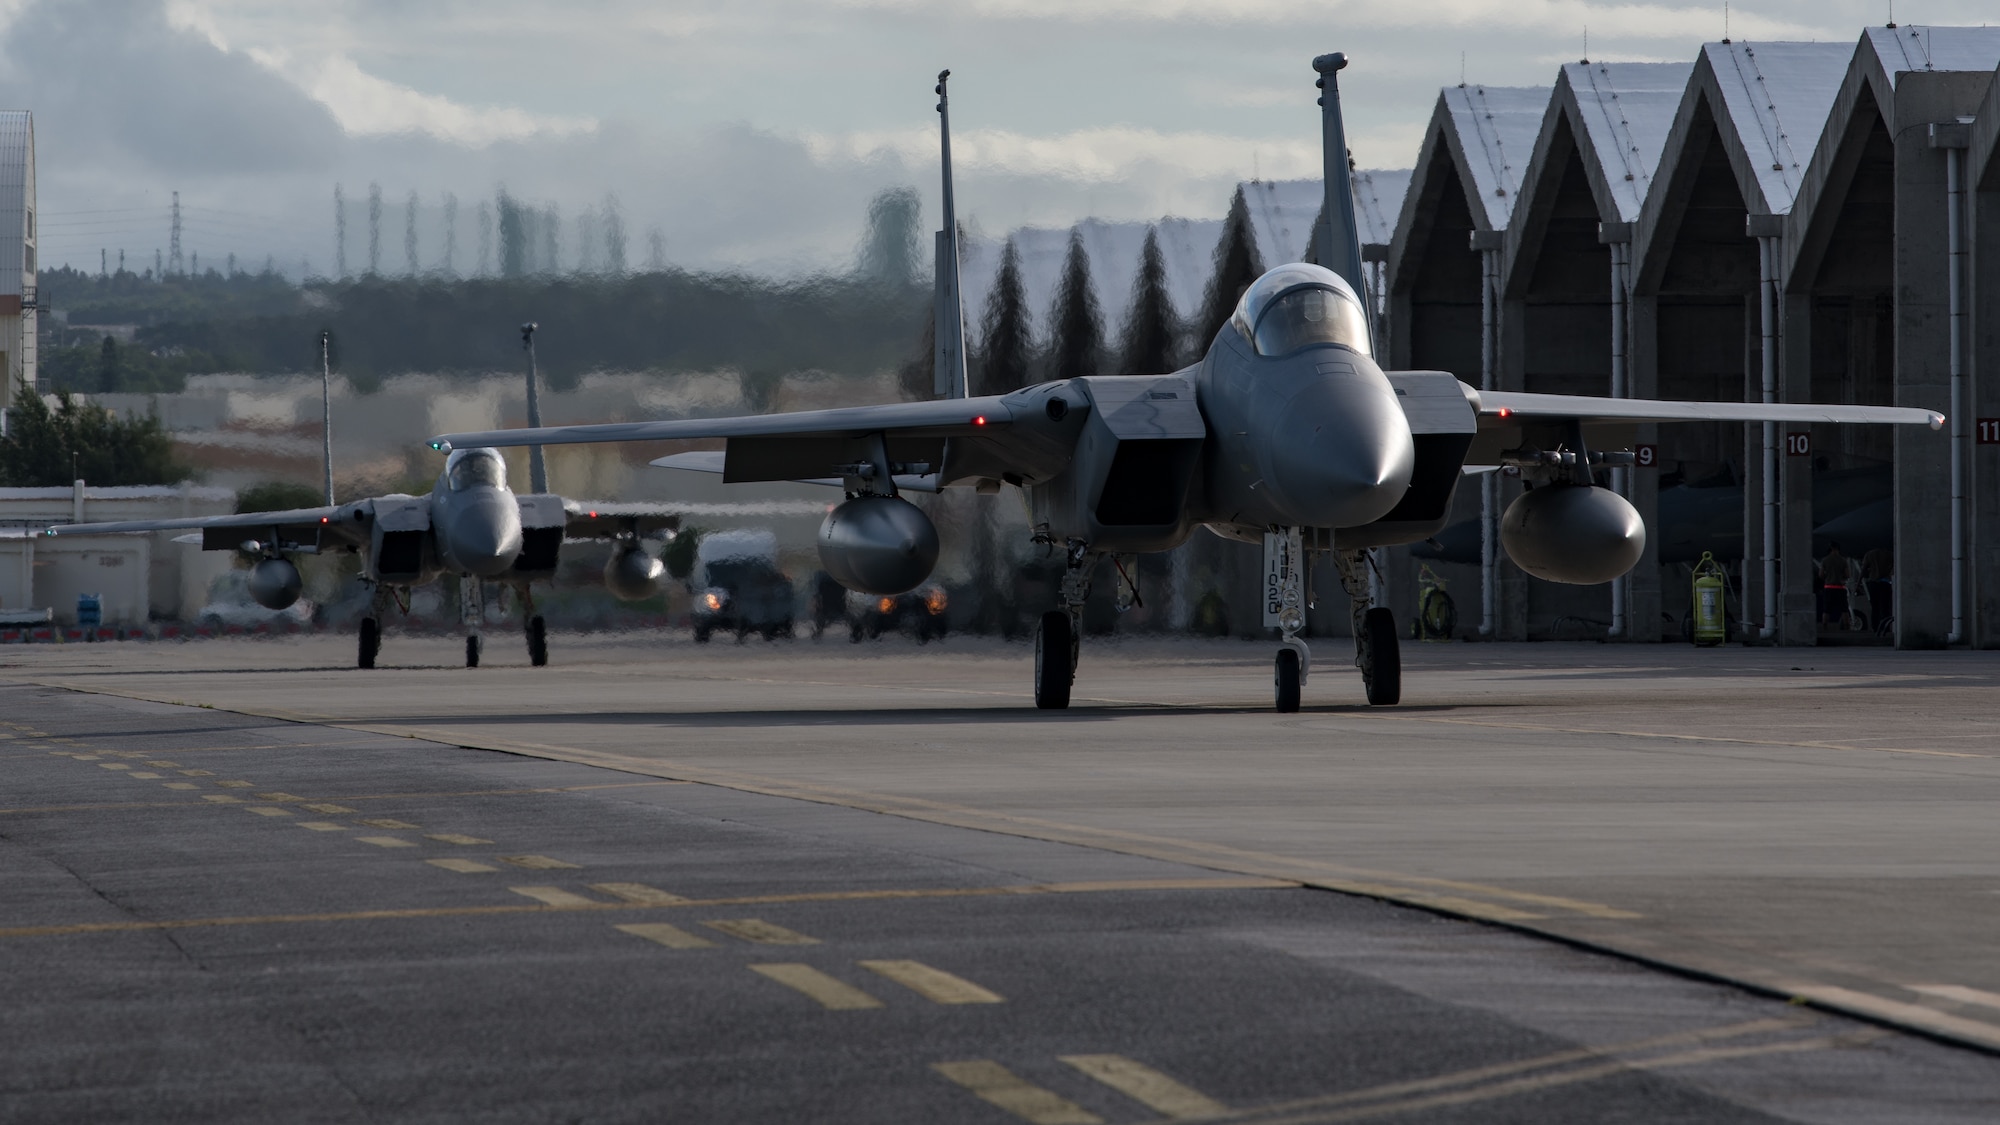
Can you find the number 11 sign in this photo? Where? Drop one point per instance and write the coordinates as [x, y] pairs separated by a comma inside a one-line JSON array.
[[1989, 431]]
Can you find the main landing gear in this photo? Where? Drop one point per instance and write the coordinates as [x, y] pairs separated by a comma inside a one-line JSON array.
[[1377, 652], [371, 625], [535, 629], [1061, 631]]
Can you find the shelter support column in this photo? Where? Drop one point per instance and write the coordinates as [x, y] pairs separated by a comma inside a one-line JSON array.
[[1983, 400], [1618, 238], [1642, 380], [1798, 605], [1487, 244], [1923, 472], [1767, 230]]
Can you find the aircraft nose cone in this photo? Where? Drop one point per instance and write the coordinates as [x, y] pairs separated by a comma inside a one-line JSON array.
[[486, 539], [1344, 452]]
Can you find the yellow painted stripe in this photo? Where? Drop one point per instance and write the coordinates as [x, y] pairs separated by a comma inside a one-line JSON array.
[[322, 826], [639, 893], [197, 773], [267, 810], [900, 895], [671, 936], [386, 841], [454, 838], [932, 984], [393, 825], [996, 1085], [144, 775], [84, 757], [113, 766], [1147, 1086], [538, 863], [330, 810], [182, 785], [223, 799], [159, 765], [462, 866], [237, 784], [554, 896], [279, 797], [1896, 1011], [1958, 993], [833, 994], [760, 931]]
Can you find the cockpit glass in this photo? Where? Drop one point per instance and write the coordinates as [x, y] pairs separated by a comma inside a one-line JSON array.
[[470, 468], [1297, 305]]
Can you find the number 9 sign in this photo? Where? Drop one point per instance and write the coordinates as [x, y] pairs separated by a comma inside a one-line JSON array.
[[1646, 456]]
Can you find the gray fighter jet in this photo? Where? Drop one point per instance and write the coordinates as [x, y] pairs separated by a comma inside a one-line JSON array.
[[1286, 433], [471, 524]]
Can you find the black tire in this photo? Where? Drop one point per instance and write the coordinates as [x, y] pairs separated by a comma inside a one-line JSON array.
[[538, 642], [854, 632], [1055, 661], [701, 634], [371, 641], [472, 651], [1381, 658], [1287, 680]]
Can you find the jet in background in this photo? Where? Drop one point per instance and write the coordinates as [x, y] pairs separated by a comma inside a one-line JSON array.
[[471, 524], [1286, 433]]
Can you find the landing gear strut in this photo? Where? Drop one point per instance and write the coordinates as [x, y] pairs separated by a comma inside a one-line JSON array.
[[1285, 569], [471, 613], [536, 629], [1377, 652], [1058, 640], [371, 627]]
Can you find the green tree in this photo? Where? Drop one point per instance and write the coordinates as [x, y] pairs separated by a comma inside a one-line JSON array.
[[1078, 328], [1152, 328], [49, 448], [1007, 349], [1237, 264], [278, 496]]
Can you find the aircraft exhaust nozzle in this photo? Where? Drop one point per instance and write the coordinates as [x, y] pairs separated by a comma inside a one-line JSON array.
[[274, 583], [1573, 533]]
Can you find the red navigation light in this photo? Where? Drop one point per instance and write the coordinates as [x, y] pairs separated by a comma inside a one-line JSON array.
[[593, 515], [979, 420], [1506, 412], [325, 519]]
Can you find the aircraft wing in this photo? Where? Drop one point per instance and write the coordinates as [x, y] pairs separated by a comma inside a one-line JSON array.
[[964, 417], [1501, 407], [340, 526], [585, 519]]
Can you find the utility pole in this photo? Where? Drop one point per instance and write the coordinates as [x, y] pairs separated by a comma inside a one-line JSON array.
[[538, 472], [326, 409]]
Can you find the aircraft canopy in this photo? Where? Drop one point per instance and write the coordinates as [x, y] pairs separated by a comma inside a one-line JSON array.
[[470, 468], [1299, 304]]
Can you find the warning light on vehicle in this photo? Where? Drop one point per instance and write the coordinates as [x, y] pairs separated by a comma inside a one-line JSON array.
[[714, 601], [886, 605], [934, 600]]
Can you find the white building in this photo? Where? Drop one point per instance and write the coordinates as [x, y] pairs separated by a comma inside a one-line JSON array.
[[17, 251]]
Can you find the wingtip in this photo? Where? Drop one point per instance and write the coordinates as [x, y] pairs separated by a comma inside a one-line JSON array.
[[1937, 420]]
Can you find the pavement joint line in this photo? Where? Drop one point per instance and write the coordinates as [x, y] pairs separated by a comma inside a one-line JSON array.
[[886, 895], [1540, 728], [1902, 1014]]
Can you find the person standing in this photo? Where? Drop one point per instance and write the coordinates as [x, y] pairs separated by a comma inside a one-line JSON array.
[[1877, 570]]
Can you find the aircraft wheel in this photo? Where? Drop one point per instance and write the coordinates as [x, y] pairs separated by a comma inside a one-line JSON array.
[[538, 641], [1381, 658], [1287, 680], [1055, 661], [371, 641], [472, 651]]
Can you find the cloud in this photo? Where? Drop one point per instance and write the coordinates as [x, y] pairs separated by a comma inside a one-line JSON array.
[[366, 105], [1085, 155]]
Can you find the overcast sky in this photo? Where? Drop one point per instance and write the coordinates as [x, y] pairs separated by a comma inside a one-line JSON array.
[[752, 134]]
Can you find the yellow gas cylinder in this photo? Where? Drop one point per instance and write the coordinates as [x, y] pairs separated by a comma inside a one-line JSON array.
[[1710, 626]]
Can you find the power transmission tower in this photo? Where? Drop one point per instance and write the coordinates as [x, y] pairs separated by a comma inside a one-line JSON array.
[[374, 229], [410, 234], [339, 233], [174, 238]]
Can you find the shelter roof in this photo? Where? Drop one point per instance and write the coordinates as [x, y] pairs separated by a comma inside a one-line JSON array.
[[1378, 199], [1493, 132], [1917, 47], [1621, 114], [1984, 167], [1774, 103]]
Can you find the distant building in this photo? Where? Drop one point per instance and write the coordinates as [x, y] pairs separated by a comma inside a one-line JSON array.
[[17, 251]]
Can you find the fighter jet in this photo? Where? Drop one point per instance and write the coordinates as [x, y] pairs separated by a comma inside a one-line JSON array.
[[471, 524], [1286, 433]]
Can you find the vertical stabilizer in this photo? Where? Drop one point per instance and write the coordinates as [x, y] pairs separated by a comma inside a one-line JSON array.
[[1336, 239], [948, 380]]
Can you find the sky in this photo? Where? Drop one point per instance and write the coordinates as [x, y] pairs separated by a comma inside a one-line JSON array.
[[752, 134]]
